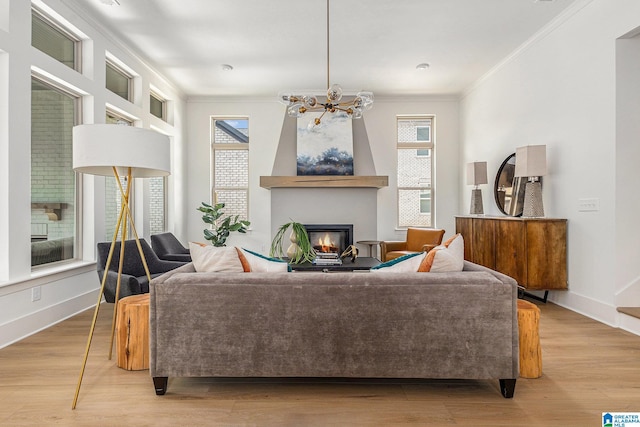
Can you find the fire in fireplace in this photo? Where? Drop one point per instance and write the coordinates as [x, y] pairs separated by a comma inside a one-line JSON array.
[[330, 237]]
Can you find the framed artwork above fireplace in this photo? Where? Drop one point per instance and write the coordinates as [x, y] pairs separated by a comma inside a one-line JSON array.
[[326, 149]]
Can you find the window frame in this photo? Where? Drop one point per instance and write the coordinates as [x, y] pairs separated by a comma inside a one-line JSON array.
[[163, 102], [120, 70], [78, 100], [65, 32], [418, 146]]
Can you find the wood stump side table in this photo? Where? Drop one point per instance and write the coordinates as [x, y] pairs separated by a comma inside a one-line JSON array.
[[132, 335], [529, 340]]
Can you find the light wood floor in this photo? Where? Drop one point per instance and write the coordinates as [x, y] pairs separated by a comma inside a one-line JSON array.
[[588, 368]]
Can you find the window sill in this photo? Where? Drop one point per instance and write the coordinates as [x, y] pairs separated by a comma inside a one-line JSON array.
[[46, 275]]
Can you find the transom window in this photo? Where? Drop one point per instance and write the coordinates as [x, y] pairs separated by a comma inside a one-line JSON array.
[[118, 81], [230, 152], [54, 40], [158, 106], [415, 147]]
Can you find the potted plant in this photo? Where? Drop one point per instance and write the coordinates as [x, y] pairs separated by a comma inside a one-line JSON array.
[[300, 250], [220, 229]]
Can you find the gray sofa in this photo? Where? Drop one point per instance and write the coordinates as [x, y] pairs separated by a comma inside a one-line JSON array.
[[459, 325]]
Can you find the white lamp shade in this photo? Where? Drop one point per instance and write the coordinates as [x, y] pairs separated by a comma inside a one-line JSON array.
[[476, 173], [531, 160], [97, 148]]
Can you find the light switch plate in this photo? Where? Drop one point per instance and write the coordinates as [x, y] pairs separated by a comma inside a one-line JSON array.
[[588, 205]]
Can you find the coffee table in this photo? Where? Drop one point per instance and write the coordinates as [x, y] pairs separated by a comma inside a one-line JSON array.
[[361, 263]]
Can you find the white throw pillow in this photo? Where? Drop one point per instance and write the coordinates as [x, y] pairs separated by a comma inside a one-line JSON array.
[[263, 264], [445, 258], [209, 259], [405, 263]]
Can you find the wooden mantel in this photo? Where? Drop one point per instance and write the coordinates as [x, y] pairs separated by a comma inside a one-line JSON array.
[[324, 181]]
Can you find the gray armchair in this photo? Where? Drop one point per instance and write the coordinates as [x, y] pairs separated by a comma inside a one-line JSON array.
[[134, 279], [168, 247]]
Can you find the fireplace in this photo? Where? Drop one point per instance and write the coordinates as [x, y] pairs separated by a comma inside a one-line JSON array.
[[330, 237]]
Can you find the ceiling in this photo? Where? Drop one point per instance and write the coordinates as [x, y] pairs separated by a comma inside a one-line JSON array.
[[281, 44]]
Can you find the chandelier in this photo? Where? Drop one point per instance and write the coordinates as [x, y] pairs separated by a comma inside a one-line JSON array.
[[299, 104]]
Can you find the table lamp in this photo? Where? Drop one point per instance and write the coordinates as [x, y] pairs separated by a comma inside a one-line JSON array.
[[476, 175], [531, 162], [117, 150]]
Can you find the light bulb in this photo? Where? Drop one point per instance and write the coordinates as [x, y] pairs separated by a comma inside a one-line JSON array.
[[296, 110], [285, 98], [334, 93], [366, 99], [315, 124], [310, 101]]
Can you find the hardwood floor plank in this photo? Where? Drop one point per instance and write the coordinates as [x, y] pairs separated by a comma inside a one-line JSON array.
[[588, 368]]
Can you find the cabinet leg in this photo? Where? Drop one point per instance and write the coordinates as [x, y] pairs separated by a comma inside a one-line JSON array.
[[522, 294]]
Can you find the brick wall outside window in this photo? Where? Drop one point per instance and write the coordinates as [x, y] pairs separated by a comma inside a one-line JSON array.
[[231, 173], [52, 175]]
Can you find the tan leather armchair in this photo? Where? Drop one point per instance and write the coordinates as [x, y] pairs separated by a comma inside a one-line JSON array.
[[418, 240]]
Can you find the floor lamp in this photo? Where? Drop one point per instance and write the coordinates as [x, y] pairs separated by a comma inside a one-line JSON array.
[[118, 151]]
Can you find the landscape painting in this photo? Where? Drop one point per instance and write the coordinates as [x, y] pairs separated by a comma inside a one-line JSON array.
[[326, 149]]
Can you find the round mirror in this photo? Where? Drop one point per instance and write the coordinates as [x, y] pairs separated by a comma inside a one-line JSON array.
[[509, 189]]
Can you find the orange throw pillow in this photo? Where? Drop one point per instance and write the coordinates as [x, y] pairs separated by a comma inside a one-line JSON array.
[[243, 261], [427, 262]]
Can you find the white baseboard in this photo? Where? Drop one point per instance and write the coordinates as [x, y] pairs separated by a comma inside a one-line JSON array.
[[23, 327], [587, 306], [629, 323], [596, 310]]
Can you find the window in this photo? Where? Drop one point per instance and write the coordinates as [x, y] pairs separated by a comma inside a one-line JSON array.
[[415, 165], [54, 40], [425, 202], [230, 152], [158, 106], [157, 204], [54, 189], [112, 198], [118, 81]]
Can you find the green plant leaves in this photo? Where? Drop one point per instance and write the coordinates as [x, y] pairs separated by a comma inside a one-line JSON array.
[[305, 251], [220, 229]]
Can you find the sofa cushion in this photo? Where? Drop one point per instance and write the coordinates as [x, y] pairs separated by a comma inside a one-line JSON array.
[[405, 263], [445, 258], [262, 264], [208, 258]]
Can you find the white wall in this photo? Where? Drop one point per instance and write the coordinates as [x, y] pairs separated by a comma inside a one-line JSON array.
[[266, 119], [627, 156], [560, 90], [70, 287]]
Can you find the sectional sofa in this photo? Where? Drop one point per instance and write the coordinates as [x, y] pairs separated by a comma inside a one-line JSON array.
[[457, 325]]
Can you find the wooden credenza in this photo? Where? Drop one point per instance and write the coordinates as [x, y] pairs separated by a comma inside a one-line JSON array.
[[531, 250]]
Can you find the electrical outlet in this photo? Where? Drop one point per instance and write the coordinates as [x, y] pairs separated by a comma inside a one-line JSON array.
[[588, 205], [36, 293]]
